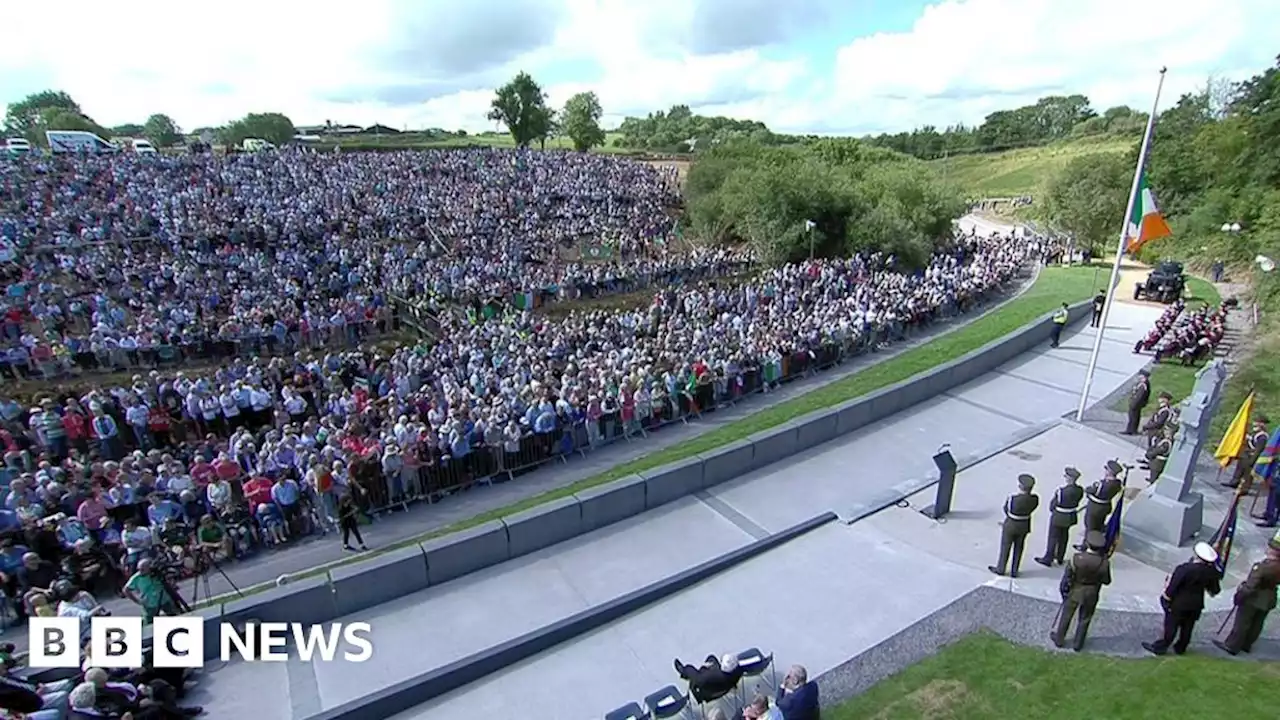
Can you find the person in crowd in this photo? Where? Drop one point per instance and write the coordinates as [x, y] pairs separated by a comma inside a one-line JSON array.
[[1183, 599], [713, 679], [349, 521], [759, 709], [147, 589], [798, 696]]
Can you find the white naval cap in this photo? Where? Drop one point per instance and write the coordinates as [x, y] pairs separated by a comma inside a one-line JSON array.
[[1205, 552]]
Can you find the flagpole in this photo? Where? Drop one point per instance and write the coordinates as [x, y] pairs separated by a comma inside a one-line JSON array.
[[1120, 248]]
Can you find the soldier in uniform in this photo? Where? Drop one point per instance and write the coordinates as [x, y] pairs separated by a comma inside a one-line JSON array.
[[1158, 419], [1100, 496], [1183, 599], [1158, 454], [1255, 598], [1082, 581], [1018, 509], [1064, 507], [1139, 396], [1099, 303], [1254, 445]]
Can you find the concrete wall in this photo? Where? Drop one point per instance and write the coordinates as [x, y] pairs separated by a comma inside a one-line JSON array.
[[353, 588]]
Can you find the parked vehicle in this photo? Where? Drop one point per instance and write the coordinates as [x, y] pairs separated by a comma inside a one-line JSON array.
[[256, 145], [1164, 285], [18, 146], [82, 141]]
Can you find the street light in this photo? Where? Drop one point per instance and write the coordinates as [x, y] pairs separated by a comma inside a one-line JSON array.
[[1232, 228]]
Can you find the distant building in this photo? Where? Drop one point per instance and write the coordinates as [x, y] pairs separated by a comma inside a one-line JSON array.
[[380, 130]]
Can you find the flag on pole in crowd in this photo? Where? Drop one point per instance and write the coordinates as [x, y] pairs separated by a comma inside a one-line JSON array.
[[1146, 222], [597, 250], [1113, 526], [523, 300], [810, 225], [1233, 442], [1226, 534], [1266, 465]]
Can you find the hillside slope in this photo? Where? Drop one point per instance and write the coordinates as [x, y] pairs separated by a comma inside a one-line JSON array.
[[1020, 172]]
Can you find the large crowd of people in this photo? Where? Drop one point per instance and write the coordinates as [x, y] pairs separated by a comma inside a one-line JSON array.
[[242, 296]]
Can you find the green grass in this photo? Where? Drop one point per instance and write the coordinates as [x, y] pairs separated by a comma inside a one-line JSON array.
[[1020, 172], [1174, 378], [984, 676], [1054, 287]]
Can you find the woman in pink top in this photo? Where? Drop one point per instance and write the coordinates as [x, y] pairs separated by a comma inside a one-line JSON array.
[[93, 512]]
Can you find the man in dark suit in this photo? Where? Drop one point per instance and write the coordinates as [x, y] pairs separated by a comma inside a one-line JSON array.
[[798, 696], [1183, 599], [1139, 396], [1018, 509], [1064, 509], [712, 681], [1255, 443], [1099, 302]]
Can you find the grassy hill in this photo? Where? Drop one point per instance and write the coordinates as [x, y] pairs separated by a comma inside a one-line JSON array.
[[1020, 172], [422, 140]]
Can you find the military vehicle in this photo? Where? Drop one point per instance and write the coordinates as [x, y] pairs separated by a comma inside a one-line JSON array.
[[1164, 285]]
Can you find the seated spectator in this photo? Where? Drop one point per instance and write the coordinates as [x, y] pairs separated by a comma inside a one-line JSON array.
[[271, 523], [758, 709], [798, 696], [713, 680], [213, 538], [138, 544], [76, 603], [36, 576], [91, 568]]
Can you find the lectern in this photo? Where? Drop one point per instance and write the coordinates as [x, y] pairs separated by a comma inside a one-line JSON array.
[[946, 483]]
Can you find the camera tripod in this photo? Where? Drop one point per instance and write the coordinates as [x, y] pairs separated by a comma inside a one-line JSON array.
[[201, 581]]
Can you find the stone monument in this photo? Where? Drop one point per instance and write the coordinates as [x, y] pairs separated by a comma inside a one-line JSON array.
[[1167, 511]]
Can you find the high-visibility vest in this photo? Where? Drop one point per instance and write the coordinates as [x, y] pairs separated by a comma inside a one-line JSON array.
[[1060, 317]]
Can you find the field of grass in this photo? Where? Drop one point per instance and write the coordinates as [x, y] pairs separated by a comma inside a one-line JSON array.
[[1054, 286], [1019, 172], [984, 676]]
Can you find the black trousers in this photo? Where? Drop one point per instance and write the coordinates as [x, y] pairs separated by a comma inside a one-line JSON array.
[[350, 526], [1135, 418], [1177, 631], [1097, 318], [1055, 335], [1056, 549]]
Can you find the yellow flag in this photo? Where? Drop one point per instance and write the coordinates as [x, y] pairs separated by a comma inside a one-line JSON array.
[[1233, 442]]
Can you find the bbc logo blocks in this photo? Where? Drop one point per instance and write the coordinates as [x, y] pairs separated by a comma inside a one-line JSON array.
[[116, 642]]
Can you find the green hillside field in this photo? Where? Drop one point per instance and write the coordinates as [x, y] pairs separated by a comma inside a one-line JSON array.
[[1024, 171], [422, 141]]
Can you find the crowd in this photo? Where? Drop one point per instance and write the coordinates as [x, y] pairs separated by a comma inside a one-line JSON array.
[[1185, 337], [283, 267]]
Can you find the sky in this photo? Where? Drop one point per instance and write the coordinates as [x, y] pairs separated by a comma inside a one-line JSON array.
[[800, 66]]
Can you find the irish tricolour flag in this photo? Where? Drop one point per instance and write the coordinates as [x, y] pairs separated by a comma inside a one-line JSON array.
[[1145, 222]]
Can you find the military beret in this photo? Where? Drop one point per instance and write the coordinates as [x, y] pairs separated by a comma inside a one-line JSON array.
[[1071, 473], [1262, 419], [1026, 482], [1095, 539], [1144, 372], [1165, 394], [1114, 467]]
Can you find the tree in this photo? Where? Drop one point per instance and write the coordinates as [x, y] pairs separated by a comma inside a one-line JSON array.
[[1087, 198], [272, 127], [27, 117], [672, 130], [59, 119], [522, 107], [162, 131], [581, 121]]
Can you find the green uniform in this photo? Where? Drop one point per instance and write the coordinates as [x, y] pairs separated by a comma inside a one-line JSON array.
[[1157, 458], [1014, 530], [1065, 509], [1082, 582], [1255, 599]]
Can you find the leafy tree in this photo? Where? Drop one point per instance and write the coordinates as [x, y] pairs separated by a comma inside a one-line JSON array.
[[581, 121], [1087, 198], [162, 130], [858, 197], [521, 105], [127, 130], [272, 127], [27, 117], [59, 119], [677, 129]]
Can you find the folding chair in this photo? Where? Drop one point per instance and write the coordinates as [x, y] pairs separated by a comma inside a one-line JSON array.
[[630, 711], [666, 703], [753, 664]]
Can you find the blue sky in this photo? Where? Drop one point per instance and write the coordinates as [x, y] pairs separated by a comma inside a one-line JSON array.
[[825, 66]]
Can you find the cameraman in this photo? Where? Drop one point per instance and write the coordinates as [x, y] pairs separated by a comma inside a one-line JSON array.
[[148, 589]]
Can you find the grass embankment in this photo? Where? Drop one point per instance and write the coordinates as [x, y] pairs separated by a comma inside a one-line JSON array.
[[1053, 287], [984, 676], [1020, 172]]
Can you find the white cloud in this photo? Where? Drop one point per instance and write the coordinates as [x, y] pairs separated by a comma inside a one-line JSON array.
[[958, 62]]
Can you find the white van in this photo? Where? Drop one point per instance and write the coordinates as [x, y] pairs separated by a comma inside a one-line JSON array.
[[82, 141], [143, 147], [18, 146], [256, 145]]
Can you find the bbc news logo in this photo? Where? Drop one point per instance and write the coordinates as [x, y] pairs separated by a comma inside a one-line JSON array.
[[179, 642]]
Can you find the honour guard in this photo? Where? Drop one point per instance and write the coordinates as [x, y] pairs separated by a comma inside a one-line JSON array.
[[1139, 396], [1018, 509], [1183, 599], [1158, 419], [1099, 496], [1157, 455], [1254, 600], [1064, 507], [1082, 581], [1254, 445]]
